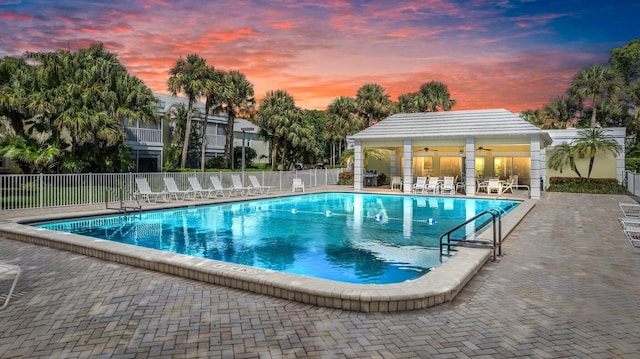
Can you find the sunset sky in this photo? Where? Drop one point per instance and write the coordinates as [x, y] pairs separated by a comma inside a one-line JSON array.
[[491, 54]]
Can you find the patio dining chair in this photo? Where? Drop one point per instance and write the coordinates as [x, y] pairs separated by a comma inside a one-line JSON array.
[[297, 184], [396, 181]]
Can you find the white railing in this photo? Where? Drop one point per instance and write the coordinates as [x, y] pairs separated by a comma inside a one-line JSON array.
[[142, 135], [60, 190]]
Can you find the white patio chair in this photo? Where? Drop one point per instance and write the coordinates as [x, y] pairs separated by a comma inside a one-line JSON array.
[[509, 185], [433, 186], [198, 190], [257, 187], [177, 193], [9, 269], [239, 187], [631, 229], [396, 181], [420, 185], [494, 185], [219, 189], [448, 186], [297, 184], [144, 191]]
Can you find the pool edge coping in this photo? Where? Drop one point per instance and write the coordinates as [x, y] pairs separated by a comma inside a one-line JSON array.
[[440, 285]]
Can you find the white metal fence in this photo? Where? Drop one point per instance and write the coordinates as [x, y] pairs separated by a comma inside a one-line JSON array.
[[632, 181], [59, 190]]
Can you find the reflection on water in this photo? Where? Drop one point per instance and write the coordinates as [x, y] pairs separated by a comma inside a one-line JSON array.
[[356, 238]]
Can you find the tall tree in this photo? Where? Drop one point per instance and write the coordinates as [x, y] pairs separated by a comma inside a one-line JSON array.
[[373, 103], [436, 96], [274, 116], [237, 98], [597, 83], [343, 117], [212, 89], [189, 77], [561, 111]]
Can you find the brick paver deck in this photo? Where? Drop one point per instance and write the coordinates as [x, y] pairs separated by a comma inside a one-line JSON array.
[[567, 286]]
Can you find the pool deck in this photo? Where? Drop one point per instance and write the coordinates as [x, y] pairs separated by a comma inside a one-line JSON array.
[[568, 285]]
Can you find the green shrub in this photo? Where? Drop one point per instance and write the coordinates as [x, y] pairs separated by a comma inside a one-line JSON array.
[[632, 164], [585, 185], [345, 178]]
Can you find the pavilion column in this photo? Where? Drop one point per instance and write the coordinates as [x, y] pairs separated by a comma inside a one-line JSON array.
[[407, 167], [358, 164], [393, 163], [535, 167], [470, 166]]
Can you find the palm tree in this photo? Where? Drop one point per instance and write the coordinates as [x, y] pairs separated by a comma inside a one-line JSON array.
[[592, 140], [562, 155], [236, 98], [561, 111], [274, 116], [212, 89], [373, 103], [599, 84], [436, 95], [188, 76]]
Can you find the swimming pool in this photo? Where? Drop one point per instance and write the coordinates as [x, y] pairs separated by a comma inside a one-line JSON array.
[[346, 237]]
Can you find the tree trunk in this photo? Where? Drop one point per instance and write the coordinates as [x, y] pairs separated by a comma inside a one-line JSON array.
[[229, 142], [274, 154], [593, 114], [187, 134], [203, 144]]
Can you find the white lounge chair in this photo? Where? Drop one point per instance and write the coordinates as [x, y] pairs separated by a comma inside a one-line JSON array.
[[448, 186], [239, 187], [631, 229], [433, 186], [257, 187], [396, 181], [144, 191], [420, 185], [219, 189], [297, 184], [173, 190], [8, 269], [198, 190], [630, 209]]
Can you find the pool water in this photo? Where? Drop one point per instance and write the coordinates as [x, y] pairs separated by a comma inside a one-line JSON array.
[[346, 237]]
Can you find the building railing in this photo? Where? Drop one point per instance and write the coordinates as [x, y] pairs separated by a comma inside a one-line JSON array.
[[142, 135], [59, 190]]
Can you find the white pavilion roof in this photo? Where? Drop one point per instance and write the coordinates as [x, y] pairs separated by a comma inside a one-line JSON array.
[[450, 124]]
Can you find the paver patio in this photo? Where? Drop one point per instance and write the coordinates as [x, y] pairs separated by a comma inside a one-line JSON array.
[[567, 286]]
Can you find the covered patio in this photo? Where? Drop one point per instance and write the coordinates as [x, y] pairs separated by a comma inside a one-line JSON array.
[[470, 146]]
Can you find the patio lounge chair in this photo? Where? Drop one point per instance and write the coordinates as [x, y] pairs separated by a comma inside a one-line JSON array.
[[420, 185], [198, 190], [630, 209], [631, 228], [173, 190], [297, 184], [239, 187], [144, 191], [219, 189], [448, 186], [257, 187], [7, 269]]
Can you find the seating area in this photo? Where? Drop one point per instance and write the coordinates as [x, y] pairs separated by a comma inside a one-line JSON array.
[[631, 224]]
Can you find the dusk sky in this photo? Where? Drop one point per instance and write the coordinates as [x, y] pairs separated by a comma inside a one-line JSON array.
[[491, 54]]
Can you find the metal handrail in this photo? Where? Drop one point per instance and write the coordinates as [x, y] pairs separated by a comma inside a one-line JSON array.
[[120, 198], [495, 213]]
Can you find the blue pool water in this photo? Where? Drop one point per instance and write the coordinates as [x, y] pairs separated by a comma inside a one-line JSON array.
[[354, 238]]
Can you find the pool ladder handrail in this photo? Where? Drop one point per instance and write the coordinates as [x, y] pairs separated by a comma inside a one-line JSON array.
[[496, 245], [120, 198]]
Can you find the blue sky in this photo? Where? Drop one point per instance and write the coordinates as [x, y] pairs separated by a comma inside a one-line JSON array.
[[491, 54]]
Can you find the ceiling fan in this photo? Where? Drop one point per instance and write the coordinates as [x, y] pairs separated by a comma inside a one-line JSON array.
[[483, 149], [427, 149]]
